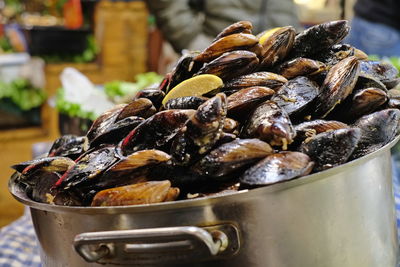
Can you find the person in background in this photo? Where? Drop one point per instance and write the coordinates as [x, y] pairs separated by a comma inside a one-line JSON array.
[[375, 28], [193, 24]]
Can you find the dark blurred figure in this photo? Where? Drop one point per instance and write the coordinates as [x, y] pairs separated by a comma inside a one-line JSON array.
[[192, 24], [375, 28]]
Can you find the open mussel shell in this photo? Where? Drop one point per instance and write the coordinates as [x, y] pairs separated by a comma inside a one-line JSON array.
[[136, 194], [277, 167], [117, 131], [276, 45], [262, 78], [69, 146], [232, 42], [156, 131], [300, 67], [338, 84], [242, 102], [231, 157], [319, 38], [296, 95], [231, 64], [270, 123], [377, 129], [331, 148], [238, 27], [186, 102]]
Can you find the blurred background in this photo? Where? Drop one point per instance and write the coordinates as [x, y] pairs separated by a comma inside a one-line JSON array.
[[62, 62]]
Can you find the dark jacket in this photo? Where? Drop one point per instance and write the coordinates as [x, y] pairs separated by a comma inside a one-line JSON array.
[[183, 21], [381, 11]]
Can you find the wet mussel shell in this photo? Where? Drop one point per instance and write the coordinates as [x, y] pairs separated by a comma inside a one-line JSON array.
[[186, 102], [309, 129], [338, 84], [296, 95], [319, 38], [154, 95], [136, 194], [228, 43], [231, 157], [51, 164], [300, 67], [275, 168], [270, 123], [231, 64], [117, 131], [202, 130], [262, 78], [377, 129], [156, 131], [69, 146], [238, 27], [331, 148], [245, 100]]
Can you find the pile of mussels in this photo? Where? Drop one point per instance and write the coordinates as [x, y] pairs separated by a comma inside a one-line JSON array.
[[290, 104]]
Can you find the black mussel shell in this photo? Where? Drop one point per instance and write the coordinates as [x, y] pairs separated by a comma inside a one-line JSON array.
[[69, 146], [186, 102], [338, 84], [330, 149], [319, 38], [296, 95], [231, 157], [277, 167], [270, 123], [154, 95], [231, 65], [155, 131], [377, 129], [116, 132]]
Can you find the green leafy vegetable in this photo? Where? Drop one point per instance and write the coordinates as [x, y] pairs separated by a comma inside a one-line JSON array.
[[22, 93], [121, 88], [71, 109]]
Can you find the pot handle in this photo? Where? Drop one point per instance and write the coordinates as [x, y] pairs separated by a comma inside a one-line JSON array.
[[152, 245]]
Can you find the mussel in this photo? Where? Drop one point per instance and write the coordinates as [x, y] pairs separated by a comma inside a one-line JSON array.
[[330, 149], [136, 194], [277, 167], [231, 157], [231, 64], [319, 38], [270, 123], [377, 129], [296, 95], [338, 84]]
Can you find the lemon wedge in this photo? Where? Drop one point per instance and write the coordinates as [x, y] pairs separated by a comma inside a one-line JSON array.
[[267, 34], [195, 86]]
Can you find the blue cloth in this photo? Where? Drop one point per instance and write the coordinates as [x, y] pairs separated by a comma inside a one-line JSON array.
[[18, 244], [374, 38]]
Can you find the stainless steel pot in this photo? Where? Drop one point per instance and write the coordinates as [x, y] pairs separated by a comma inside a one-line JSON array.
[[343, 217]]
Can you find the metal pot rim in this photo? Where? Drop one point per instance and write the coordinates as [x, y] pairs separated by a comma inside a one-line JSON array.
[[20, 195]]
